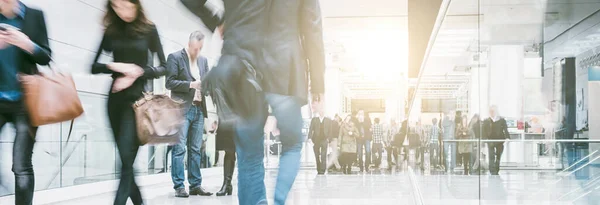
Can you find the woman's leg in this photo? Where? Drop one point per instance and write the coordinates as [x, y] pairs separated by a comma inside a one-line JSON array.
[[466, 158], [228, 169], [122, 119], [22, 158]]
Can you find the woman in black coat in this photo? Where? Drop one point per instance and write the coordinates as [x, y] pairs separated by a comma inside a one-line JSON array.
[[224, 142]]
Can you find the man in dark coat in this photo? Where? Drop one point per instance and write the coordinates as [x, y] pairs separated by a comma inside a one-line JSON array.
[[23, 46], [270, 46], [495, 128]]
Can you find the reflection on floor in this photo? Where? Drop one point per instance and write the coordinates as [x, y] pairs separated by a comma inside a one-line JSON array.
[[382, 186]]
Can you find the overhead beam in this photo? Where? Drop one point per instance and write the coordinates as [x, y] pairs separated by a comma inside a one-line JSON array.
[[422, 15]]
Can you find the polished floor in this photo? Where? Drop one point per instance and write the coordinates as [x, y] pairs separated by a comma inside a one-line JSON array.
[[403, 186]]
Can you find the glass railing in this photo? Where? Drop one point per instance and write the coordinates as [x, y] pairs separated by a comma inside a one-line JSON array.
[[88, 155]]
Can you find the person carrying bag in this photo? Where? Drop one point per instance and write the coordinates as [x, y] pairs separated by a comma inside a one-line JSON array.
[[50, 98]]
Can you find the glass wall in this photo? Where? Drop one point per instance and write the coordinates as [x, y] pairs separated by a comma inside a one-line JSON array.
[[533, 63]]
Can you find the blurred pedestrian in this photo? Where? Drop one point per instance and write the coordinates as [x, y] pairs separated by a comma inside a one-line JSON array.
[[23, 46], [130, 36]]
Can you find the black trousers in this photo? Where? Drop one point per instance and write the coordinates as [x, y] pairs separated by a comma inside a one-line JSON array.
[[122, 121], [495, 150], [346, 161], [14, 112], [378, 153], [320, 149], [466, 162], [392, 153]]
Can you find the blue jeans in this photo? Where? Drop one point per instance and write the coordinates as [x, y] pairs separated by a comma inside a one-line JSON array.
[[366, 145], [14, 112], [191, 138], [249, 143], [450, 155]]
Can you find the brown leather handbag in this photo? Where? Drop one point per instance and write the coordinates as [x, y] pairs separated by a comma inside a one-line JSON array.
[[159, 119], [50, 98]]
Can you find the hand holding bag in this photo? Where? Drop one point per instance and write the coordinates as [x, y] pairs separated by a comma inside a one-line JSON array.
[[50, 98], [159, 119]]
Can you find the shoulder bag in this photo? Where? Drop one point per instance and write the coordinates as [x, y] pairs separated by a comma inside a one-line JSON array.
[[50, 98], [159, 119]]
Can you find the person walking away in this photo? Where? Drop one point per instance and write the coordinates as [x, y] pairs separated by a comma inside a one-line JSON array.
[[378, 142], [281, 40], [434, 145], [400, 141], [224, 142], [495, 128], [130, 36], [186, 69], [364, 143], [319, 132], [333, 158], [464, 147], [23, 46], [349, 134], [476, 155], [392, 149], [449, 147]]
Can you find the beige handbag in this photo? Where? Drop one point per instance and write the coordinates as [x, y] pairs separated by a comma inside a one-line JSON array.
[[159, 119]]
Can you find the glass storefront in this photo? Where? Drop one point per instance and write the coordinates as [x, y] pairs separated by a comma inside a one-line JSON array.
[[532, 62]]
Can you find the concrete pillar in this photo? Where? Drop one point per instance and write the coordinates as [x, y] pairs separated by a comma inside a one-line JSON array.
[[478, 95], [505, 63], [415, 112], [333, 92]]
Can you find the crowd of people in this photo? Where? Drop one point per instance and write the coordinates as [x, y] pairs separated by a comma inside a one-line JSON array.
[[439, 146]]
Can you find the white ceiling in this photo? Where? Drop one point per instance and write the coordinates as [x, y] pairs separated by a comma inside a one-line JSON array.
[[469, 26]]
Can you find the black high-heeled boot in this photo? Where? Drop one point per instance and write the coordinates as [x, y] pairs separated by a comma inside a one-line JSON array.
[[226, 189], [228, 168]]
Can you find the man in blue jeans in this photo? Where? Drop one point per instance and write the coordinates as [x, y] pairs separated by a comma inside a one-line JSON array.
[[288, 62], [186, 68], [283, 41]]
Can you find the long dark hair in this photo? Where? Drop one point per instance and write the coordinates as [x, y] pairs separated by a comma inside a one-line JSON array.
[[114, 24]]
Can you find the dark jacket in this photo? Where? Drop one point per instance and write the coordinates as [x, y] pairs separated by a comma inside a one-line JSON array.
[[224, 138], [464, 133], [233, 84], [34, 26], [276, 37], [295, 51], [366, 127], [180, 77], [495, 130], [401, 135], [315, 129]]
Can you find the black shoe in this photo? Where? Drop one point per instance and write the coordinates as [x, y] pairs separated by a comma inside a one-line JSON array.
[[226, 189], [181, 193], [199, 191]]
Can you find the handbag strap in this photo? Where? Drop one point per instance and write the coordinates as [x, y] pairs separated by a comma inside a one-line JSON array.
[[70, 130], [55, 69]]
